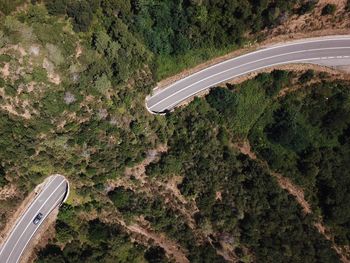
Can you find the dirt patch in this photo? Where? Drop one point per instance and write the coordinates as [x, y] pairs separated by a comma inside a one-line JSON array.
[[16, 106], [342, 251], [167, 189], [18, 211], [9, 191], [139, 171], [5, 71], [298, 193], [11, 109], [245, 148], [78, 50], [52, 76], [313, 24], [293, 190], [169, 192], [171, 248], [143, 234]]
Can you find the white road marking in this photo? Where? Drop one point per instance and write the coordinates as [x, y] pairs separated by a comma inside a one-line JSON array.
[[38, 226], [32, 219], [22, 216], [340, 38], [248, 63], [256, 69]]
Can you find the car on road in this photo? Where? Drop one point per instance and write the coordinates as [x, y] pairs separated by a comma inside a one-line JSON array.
[[37, 218]]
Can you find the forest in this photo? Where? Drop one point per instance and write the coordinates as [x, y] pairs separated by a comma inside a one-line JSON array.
[[73, 103]]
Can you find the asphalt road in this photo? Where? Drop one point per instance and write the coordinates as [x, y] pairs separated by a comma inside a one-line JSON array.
[[327, 51], [52, 195]]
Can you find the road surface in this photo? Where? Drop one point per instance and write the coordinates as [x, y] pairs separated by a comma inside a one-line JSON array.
[[326, 51], [53, 194]]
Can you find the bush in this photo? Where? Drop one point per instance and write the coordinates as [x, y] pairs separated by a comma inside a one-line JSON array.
[[3, 180], [329, 9], [307, 7], [307, 76]]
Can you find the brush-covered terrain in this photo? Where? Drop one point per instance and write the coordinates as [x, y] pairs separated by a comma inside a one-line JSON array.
[[252, 172]]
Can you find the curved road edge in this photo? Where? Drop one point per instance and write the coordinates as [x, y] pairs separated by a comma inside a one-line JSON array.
[[326, 51], [53, 193]]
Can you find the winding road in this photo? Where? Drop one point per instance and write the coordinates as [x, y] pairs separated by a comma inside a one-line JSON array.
[[53, 193], [325, 51]]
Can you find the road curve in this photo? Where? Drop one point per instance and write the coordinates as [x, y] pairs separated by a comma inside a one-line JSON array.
[[52, 195], [326, 51]]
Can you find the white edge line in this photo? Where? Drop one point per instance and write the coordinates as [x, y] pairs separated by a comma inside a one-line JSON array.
[[14, 247], [173, 105], [290, 43], [248, 63], [20, 255], [25, 211]]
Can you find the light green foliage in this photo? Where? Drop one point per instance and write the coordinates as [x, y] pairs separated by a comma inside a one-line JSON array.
[[3, 39], [251, 103], [93, 124], [253, 210], [242, 106], [103, 84], [305, 136], [7, 6], [101, 41], [54, 54]]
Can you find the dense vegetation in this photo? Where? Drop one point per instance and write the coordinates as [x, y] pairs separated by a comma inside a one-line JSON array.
[[181, 33], [306, 137], [74, 76]]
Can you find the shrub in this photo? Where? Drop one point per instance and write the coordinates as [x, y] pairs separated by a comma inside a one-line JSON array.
[[329, 9]]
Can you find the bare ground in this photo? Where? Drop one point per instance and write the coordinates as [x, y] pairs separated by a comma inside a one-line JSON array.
[[169, 192], [18, 211], [8, 191], [172, 249], [298, 193]]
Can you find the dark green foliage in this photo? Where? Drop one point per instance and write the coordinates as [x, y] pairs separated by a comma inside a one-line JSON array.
[[155, 255], [223, 100], [3, 180], [81, 13], [122, 199], [105, 128], [305, 136], [98, 231], [174, 27], [253, 211], [108, 244], [329, 9], [51, 253], [306, 76], [307, 6], [286, 132], [57, 7], [7, 6], [5, 58]]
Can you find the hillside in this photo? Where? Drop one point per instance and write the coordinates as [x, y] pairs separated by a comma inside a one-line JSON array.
[[251, 172]]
